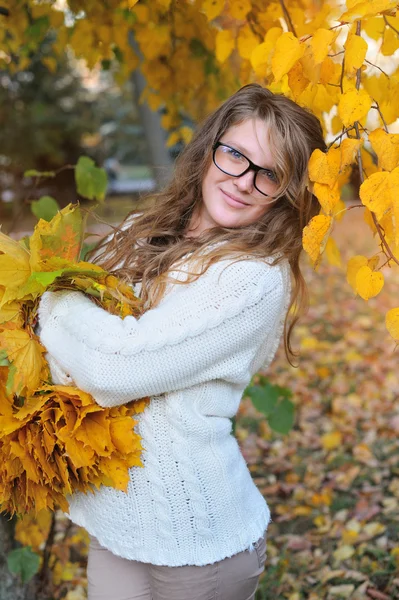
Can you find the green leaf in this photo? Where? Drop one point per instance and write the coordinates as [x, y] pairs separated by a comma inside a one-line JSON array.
[[4, 362], [282, 418], [45, 208], [23, 562], [264, 398], [34, 173], [46, 277], [91, 181]]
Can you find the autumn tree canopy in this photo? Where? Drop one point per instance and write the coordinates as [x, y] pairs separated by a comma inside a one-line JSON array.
[[340, 59]]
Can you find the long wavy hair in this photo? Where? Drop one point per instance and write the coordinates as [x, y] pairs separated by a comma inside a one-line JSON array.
[[144, 248]]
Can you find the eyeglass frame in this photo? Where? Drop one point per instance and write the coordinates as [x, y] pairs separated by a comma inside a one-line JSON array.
[[251, 167]]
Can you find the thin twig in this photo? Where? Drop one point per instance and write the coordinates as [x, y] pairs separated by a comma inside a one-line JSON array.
[[287, 17], [377, 67], [339, 136], [253, 25], [377, 107], [349, 208], [359, 71], [336, 26], [389, 25], [336, 54], [341, 80]]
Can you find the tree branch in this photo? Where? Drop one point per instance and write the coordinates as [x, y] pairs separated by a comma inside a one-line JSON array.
[[379, 68], [339, 136], [287, 17], [377, 107], [384, 243]]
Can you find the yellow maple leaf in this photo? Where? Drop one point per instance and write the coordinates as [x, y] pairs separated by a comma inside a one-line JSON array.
[[14, 263], [314, 237], [225, 43], [386, 146], [321, 42], [212, 8], [353, 106], [392, 323], [26, 354], [379, 190], [288, 51], [368, 283], [355, 52], [11, 311], [61, 237]]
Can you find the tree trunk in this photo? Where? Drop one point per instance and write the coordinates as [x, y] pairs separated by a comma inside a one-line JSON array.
[[162, 163]]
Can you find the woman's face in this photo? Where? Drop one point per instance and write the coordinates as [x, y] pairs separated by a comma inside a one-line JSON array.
[[234, 201]]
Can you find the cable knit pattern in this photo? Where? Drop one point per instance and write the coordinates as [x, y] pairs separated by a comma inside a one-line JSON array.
[[193, 502]]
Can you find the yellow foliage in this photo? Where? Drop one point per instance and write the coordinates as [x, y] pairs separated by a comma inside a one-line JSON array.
[[368, 283], [315, 237], [212, 8], [246, 42], [392, 322], [332, 253], [321, 42], [261, 55], [239, 9], [379, 191], [56, 439], [288, 51], [353, 267], [386, 146], [225, 43], [367, 9], [353, 106], [331, 440], [355, 52]]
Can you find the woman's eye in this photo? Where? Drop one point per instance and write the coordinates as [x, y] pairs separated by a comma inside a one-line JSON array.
[[234, 153], [267, 174]]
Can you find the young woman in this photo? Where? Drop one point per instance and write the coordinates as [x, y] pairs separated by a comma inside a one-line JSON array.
[[212, 261]]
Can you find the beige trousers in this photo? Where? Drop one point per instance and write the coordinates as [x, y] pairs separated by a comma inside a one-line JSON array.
[[111, 577]]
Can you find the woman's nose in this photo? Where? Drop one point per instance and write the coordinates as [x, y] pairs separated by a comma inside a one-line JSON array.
[[245, 183]]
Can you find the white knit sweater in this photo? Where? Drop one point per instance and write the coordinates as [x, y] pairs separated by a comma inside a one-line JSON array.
[[194, 502]]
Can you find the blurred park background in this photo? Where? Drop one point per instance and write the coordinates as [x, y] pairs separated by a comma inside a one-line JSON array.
[[332, 482]]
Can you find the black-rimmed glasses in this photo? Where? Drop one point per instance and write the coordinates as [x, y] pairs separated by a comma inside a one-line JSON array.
[[234, 163]]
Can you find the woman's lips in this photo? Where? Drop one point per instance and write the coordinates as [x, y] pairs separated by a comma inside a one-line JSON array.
[[233, 201]]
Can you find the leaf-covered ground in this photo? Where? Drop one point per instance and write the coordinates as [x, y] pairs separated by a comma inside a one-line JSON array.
[[332, 483]]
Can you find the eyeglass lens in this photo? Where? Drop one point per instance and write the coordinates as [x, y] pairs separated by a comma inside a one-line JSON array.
[[232, 162]]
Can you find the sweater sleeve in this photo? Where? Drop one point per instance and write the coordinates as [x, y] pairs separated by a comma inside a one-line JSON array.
[[211, 328]]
